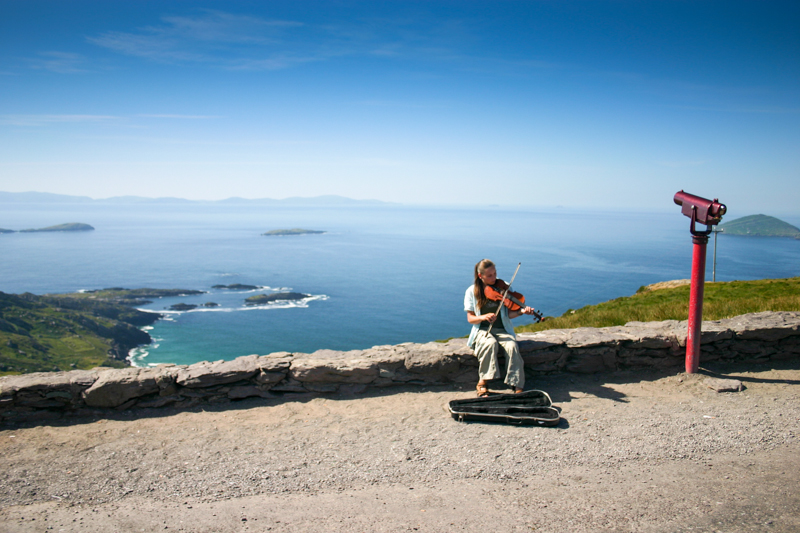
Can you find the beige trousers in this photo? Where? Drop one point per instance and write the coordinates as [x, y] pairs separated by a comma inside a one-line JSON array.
[[486, 350]]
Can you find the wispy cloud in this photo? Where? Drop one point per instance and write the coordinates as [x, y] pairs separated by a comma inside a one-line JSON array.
[[225, 27], [240, 42], [686, 95], [403, 104], [506, 67], [374, 162], [157, 47], [223, 39], [681, 164], [41, 120], [187, 117], [277, 61], [769, 110], [44, 120], [60, 62]]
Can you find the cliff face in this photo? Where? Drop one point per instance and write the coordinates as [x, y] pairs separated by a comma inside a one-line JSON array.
[[755, 338]]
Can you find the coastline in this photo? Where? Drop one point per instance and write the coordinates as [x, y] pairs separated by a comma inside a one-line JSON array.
[[146, 245], [137, 358]]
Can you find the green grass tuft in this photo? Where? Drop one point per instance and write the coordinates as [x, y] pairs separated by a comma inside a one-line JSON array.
[[721, 300]]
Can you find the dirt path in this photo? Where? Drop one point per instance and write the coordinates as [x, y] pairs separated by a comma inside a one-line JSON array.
[[635, 452]]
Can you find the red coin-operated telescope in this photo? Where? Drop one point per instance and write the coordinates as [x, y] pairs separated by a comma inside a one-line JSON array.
[[709, 213]]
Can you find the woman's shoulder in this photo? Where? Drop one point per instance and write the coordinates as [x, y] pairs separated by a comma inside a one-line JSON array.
[[469, 296]]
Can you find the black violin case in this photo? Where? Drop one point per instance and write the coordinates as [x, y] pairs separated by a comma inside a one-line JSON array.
[[532, 407]]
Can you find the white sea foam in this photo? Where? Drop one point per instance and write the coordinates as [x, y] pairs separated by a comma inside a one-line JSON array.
[[286, 304], [261, 288], [136, 355], [212, 310], [278, 304]]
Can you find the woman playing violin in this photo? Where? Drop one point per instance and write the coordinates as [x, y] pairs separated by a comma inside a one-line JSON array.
[[492, 331]]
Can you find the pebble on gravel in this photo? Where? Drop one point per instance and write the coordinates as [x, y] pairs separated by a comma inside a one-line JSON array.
[[724, 385]]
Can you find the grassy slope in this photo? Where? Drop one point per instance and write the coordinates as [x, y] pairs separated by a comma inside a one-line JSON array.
[[722, 300], [43, 339], [760, 226], [77, 330], [60, 332]]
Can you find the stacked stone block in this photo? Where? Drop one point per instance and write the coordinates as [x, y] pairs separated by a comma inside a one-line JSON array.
[[756, 338]]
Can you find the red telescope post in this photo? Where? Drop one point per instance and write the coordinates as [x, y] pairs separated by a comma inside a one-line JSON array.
[[699, 243], [707, 212]]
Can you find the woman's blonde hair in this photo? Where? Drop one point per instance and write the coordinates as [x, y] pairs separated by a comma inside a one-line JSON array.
[[480, 267]]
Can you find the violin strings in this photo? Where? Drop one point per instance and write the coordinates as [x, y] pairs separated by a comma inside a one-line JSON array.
[[503, 299]]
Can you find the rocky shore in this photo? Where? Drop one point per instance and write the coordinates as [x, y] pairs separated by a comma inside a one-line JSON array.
[[260, 299]]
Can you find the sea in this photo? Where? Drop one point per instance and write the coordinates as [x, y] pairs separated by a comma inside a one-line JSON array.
[[380, 274]]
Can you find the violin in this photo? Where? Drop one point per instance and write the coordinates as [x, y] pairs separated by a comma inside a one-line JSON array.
[[514, 301]]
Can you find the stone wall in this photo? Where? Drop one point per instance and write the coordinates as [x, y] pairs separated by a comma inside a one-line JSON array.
[[756, 337]]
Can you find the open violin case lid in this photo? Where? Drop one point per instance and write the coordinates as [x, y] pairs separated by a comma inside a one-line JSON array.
[[532, 407]]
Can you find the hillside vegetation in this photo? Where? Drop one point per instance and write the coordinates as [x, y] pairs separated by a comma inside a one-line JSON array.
[[760, 226], [721, 300], [46, 333]]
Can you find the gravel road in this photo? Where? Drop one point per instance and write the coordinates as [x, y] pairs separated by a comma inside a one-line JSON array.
[[635, 451]]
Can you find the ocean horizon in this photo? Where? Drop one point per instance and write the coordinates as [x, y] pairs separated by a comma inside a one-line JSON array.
[[380, 274]]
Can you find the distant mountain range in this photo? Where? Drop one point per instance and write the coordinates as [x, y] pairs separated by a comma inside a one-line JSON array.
[[46, 197]]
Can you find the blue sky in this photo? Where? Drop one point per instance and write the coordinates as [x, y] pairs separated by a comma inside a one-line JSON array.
[[539, 103]]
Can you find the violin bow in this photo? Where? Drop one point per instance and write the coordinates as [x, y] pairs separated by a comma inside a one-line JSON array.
[[500, 308]]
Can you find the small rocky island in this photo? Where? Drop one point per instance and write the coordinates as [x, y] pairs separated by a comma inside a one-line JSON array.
[[760, 226], [261, 299], [134, 297], [71, 226], [294, 231], [188, 307], [237, 287], [3, 230], [182, 307]]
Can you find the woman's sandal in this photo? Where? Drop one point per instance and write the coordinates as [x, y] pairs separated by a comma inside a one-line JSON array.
[[483, 391]]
